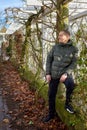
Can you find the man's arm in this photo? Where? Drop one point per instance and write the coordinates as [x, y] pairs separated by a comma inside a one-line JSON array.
[[70, 68], [73, 63], [49, 64]]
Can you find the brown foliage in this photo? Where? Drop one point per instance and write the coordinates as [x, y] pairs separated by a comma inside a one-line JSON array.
[[25, 113]]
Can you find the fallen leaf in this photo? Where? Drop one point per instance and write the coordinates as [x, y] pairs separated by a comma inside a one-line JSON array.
[[6, 120]]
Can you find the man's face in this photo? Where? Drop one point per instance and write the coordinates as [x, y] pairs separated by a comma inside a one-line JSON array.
[[63, 37]]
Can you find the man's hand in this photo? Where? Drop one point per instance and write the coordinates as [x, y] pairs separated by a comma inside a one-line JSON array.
[[48, 78], [63, 77]]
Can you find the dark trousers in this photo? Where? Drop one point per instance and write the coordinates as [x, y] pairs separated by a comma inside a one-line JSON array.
[[53, 86]]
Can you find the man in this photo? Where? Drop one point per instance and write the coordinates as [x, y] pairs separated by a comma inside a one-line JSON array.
[[61, 60]]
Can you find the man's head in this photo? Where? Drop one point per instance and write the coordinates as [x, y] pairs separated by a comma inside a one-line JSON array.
[[64, 36]]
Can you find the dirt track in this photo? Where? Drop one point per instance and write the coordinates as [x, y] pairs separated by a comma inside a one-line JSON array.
[[18, 110]]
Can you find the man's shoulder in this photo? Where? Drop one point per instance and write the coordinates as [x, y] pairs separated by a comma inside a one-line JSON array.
[[74, 49], [54, 46], [73, 45]]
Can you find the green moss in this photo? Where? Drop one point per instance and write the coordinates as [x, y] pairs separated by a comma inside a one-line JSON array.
[[39, 85]]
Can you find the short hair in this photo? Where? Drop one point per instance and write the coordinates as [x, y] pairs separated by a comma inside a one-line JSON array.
[[66, 32]]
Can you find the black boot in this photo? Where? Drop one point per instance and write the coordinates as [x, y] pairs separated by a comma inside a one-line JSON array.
[[69, 108], [48, 118]]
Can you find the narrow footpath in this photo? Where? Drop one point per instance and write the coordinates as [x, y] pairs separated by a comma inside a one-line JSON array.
[[18, 107]]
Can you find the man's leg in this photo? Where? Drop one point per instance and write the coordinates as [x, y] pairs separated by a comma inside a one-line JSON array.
[[53, 85], [69, 83]]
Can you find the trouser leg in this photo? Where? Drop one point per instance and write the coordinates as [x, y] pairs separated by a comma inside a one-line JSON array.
[[53, 85], [69, 83]]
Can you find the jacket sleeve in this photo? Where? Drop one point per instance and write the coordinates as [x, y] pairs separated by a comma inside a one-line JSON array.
[[49, 61], [73, 63]]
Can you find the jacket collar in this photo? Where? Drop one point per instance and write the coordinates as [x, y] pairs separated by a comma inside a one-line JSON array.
[[69, 43]]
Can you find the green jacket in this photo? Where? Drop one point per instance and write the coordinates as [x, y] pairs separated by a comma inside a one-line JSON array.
[[61, 59]]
